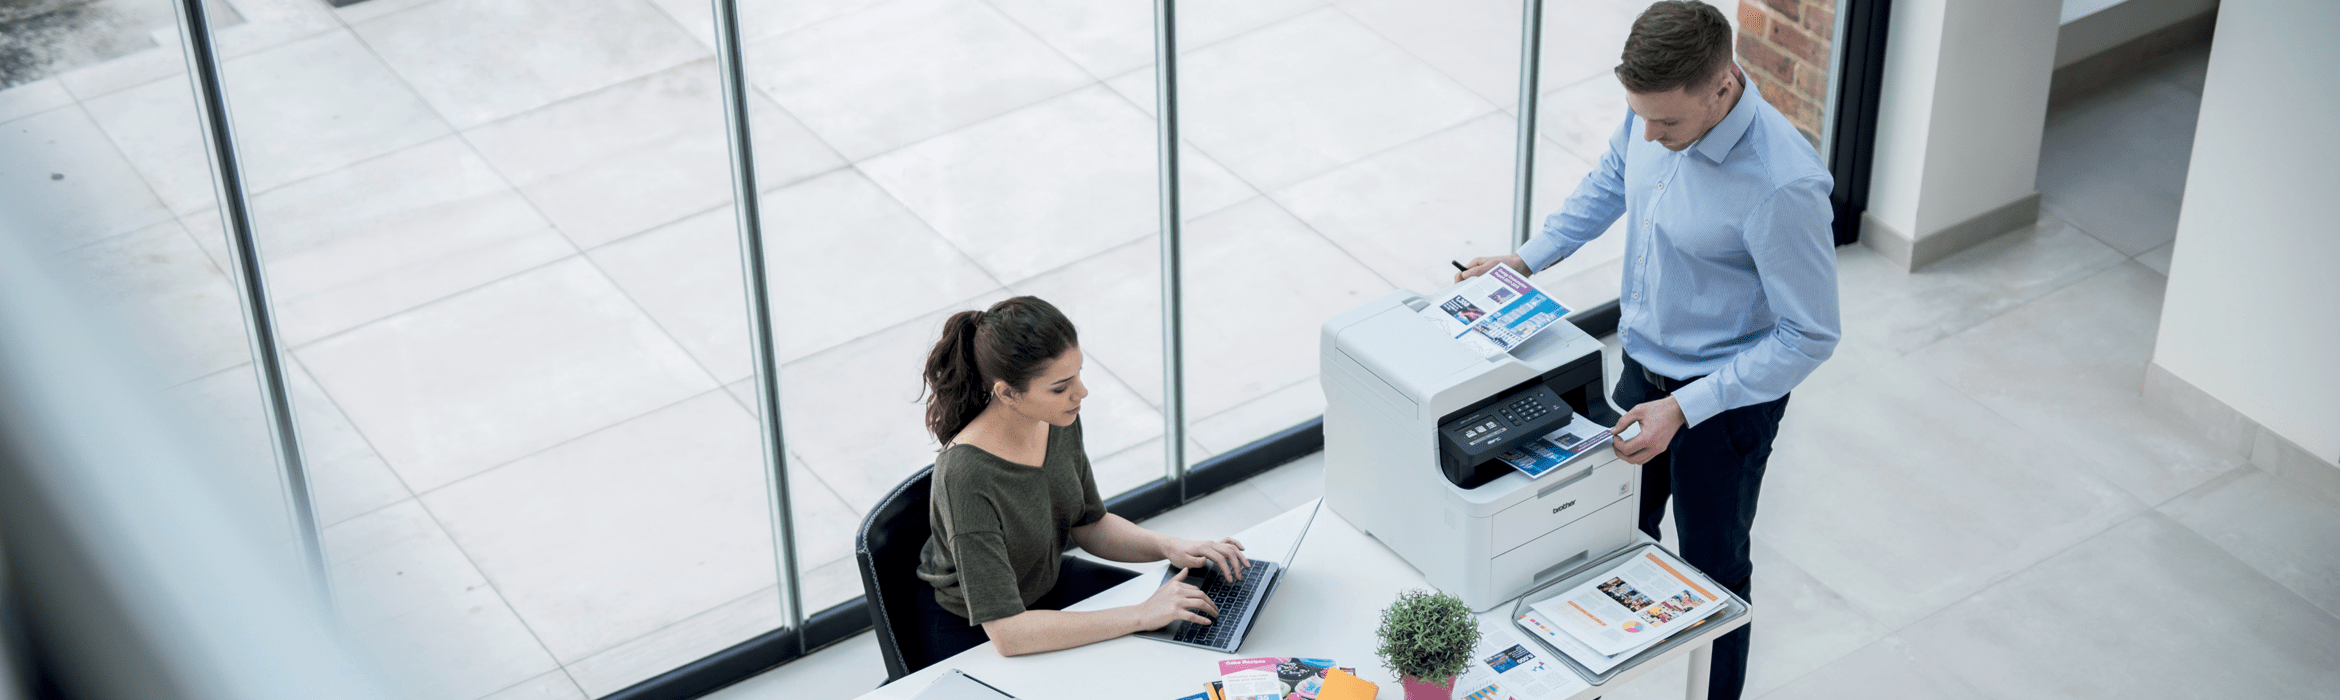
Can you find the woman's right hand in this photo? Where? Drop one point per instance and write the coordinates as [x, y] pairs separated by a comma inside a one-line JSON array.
[[1175, 600]]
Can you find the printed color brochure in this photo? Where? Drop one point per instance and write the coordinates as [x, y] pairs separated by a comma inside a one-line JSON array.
[[1494, 312], [1641, 599]]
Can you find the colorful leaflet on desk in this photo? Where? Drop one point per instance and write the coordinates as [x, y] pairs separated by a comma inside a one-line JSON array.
[[1291, 677]]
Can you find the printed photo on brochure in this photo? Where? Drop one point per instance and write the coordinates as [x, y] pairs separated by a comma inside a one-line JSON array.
[[1505, 667], [1494, 312], [1643, 599]]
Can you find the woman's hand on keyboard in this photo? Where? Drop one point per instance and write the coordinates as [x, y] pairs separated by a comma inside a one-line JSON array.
[[1176, 600], [1227, 554]]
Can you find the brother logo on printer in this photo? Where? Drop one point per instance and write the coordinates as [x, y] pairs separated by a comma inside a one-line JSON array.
[[1564, 506]]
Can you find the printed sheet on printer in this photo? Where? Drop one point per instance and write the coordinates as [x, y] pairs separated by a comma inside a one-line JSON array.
[[1494, 312]]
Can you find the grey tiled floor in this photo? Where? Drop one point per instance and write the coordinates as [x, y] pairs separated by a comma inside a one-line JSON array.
[[1972, 500], [502, 255]]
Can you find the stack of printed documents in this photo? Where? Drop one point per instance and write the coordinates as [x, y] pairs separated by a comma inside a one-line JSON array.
[[1637, 603]]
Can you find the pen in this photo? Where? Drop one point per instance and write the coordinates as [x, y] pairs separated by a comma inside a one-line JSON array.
[[1458, 266]]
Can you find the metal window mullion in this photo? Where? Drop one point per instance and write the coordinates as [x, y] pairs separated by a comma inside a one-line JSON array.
[[759, 307], [1531, 49], [235, 213], [1173, 332]]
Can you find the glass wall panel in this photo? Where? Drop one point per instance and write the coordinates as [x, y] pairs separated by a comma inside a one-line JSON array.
[[103, 161], [477, 218], [1369, 144], [923, 157]]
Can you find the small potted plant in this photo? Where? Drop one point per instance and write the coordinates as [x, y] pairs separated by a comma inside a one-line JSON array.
[[1426, 641]]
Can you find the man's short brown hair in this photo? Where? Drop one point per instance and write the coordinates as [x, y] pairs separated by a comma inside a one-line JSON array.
[[1675, 43]]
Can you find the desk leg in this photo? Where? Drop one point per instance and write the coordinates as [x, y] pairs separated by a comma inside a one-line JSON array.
[[1701, 661]]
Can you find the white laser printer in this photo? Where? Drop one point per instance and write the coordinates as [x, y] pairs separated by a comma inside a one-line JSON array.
[[1413, 422]]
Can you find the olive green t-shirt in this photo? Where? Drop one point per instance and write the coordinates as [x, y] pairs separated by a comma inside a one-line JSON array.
[[999, 527]]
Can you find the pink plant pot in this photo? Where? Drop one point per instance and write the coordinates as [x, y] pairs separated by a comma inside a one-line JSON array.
[[1418, 689]]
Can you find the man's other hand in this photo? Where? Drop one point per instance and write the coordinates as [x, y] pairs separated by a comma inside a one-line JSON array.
[[1659, 419], [1480, 266]]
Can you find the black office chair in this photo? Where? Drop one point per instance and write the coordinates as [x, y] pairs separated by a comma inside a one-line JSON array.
[[887, 549]]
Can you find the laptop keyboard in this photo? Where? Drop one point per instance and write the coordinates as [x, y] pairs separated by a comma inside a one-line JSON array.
[[1233, 599]]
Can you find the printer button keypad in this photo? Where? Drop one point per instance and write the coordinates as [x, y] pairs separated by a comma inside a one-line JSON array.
[[1524, 410]]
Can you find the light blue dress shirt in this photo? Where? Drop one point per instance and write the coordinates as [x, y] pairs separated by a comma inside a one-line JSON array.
[[1730, 267]]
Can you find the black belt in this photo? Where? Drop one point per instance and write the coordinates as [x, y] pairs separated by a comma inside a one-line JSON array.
[[1667, 384]]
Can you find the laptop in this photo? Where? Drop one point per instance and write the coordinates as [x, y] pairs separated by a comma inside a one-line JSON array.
[[1239, 602]]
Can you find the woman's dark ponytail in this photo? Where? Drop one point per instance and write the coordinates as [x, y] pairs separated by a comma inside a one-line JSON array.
[[1011, 342]]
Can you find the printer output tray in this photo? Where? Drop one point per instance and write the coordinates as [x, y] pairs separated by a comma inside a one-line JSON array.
[[1733, 607]]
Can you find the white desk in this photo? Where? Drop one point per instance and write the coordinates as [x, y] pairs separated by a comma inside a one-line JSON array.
[[1328, 606]]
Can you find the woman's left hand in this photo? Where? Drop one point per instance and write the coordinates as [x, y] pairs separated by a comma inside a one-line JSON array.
[[1226, 553]]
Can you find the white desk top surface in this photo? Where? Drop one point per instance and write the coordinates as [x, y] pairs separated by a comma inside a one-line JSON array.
[[1327, 606]]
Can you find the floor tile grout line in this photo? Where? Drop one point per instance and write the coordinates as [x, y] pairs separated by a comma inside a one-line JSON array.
[[418, 498], [588, 656], [2095, 466], [1832, 590], [1328, 240], [2002, 312], [663, 331], [179, 61], [727, 203], [1043, 41], [335, 404], [564, 443], [1247, 402], [345, 21], [2058, 212], [496, 589], [1259, 191], [2148, 511], [929, 226], [794, 459], [1992, 582], [525, 681], [144, 178], [1410, 142], [1426, 63], [2026, 568]]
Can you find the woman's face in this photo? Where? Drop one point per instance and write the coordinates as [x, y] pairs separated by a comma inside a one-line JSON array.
[[1055, 394]]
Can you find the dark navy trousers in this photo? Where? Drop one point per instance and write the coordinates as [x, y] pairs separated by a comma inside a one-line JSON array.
[[1713, 472]]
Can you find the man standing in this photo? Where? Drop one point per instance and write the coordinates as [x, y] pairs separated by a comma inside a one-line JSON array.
[[1729, 295]]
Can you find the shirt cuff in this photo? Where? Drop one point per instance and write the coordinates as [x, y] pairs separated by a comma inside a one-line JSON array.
[[1546, 250], [1699, 401]]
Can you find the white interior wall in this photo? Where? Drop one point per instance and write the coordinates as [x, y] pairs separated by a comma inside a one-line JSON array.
[[2091, 26], [1905, 111], [2252, 315], [1990, 108], [1963, 105]]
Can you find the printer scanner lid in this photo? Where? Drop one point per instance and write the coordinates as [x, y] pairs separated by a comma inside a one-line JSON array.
[[1406, 351]]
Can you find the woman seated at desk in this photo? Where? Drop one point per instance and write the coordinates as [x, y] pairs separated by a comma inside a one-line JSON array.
[[1012, 484]]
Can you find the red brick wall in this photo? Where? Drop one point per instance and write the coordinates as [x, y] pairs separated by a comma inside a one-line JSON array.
[[1783, 45]]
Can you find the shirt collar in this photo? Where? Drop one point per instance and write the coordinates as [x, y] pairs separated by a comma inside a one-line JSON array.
[[1718, 141]]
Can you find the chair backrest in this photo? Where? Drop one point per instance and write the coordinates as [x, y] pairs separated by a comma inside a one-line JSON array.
[[887, 549]]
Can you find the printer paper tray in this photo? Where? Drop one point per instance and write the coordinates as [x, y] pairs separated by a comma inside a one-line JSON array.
[[1732, 608]]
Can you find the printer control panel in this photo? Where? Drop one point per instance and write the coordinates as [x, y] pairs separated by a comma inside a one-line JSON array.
[[1508, 421]]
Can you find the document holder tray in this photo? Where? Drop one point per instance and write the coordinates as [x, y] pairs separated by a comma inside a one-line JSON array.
[[1732, 608]]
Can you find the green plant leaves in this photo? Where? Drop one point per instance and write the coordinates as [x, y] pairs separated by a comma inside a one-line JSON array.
[[1427, 635]]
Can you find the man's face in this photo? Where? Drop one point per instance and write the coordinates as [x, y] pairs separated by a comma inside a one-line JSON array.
[[1680, 117]]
